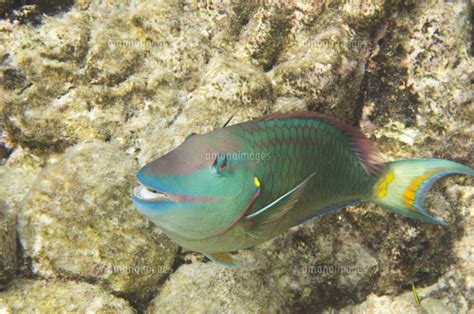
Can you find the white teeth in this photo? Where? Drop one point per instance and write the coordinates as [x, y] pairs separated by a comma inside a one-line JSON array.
[[143, 193]]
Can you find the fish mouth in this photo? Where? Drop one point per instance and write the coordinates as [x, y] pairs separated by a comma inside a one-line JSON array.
[[147, 194]]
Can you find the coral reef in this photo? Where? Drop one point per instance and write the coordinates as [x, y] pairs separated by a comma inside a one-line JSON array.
[[91, 90], [58, 296], [19, 172], [218, 288], [77, 222]]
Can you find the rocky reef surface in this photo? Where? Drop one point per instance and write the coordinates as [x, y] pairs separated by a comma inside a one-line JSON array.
[[91, 90], [24, 296]]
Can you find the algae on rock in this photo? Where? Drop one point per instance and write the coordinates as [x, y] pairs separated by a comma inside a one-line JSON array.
[[8, 245], [78, 222], [142, 75], [18, 175], [16, 178], [41, 296], [87, 74], [228, 87], [217, 289], [419, 91]]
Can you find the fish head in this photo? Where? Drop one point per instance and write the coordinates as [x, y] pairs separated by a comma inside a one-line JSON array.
[[198, 189]]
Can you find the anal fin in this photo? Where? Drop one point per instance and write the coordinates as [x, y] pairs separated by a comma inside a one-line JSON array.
[[224, 259], [329, 210]]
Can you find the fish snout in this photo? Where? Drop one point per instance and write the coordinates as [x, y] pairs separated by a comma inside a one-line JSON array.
[[144, 193]]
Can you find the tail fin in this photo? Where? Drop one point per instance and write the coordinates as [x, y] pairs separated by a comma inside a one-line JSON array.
[[404, 184]]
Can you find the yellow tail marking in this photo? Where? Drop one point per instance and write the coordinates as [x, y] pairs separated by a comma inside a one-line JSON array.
[[381, 188], [409, 194]]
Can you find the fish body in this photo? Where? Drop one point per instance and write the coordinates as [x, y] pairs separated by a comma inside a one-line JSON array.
[[238, 186]]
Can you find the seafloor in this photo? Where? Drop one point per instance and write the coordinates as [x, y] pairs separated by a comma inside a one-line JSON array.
[[92, 90]]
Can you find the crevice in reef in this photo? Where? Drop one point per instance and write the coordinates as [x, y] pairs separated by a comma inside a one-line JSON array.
[[32, 11]]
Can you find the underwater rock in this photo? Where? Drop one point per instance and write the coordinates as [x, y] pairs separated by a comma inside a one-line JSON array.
[[265, 35], [228, 87], [404, 303], [8, 245], [433, 299], [78, 222], [41, 296], [217, 289], [431, 305], [90, 74], [4, 150], [16, 178], [6, 5], [419, 92], [316, 66], [19, 172], [143, 75], [45, 63]]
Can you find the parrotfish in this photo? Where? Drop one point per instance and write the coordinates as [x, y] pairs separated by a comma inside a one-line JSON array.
[[240, 185]]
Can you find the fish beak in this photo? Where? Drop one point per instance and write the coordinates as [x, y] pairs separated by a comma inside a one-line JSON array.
[[146, 194]]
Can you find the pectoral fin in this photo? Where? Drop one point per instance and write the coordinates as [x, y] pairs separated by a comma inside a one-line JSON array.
[[222, 259], [259, 222], [289, 199]]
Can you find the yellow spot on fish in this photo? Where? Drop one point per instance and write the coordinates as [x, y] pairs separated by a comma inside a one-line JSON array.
[[409, 194], [257, 182], [389, 177], [381, 188]]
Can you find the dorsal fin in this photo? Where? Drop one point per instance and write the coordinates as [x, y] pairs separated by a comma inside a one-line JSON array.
[[364, 149], [230, 118]]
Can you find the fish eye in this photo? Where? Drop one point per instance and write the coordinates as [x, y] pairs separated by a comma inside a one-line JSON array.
[[219, 164]]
